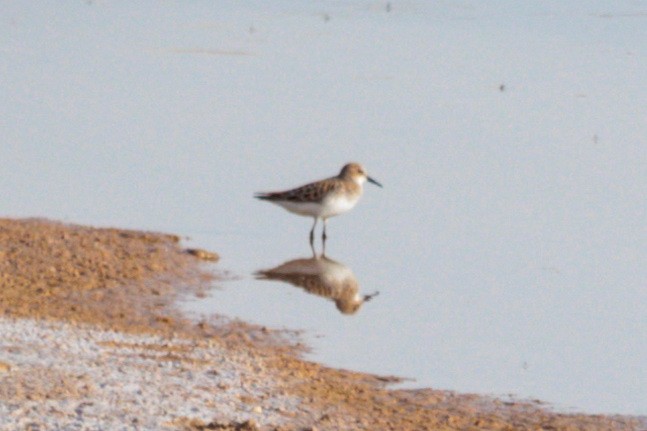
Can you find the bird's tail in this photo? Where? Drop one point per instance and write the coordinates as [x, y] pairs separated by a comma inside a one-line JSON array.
[[263, 196]]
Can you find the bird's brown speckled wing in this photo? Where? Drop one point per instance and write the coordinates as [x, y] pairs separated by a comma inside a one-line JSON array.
[[313, 192]]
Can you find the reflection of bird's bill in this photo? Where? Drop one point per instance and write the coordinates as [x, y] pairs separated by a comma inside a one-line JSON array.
[[371, 296], [321, 276]]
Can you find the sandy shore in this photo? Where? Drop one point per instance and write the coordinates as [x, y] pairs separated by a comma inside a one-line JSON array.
[[91, 341]]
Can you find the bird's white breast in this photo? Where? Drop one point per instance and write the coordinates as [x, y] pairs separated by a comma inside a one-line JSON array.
[[336, 204]]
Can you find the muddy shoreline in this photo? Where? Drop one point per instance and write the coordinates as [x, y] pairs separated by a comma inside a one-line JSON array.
[[114, 289]]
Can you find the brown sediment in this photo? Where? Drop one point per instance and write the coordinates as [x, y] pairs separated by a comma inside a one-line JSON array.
[[111, 277], [128, 281], [349, 400], [114, 278]]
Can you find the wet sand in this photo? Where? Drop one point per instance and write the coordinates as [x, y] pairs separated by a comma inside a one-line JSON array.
[[92, 341]]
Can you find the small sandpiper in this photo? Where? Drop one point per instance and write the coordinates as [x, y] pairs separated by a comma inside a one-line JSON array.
[[324, 199]]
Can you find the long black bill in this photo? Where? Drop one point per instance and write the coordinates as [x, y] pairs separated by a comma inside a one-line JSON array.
[[371, 180]]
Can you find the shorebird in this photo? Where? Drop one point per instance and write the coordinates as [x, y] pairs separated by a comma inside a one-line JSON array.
[[323, 199]]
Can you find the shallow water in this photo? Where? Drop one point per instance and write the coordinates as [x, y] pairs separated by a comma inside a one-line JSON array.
[[509, 243]]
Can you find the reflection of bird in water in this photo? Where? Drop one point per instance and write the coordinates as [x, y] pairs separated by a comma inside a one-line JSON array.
[[321, 276]]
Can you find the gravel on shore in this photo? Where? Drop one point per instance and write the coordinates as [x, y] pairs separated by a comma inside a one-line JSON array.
[[56, 375]]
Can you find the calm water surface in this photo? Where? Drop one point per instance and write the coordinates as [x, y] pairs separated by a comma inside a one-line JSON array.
[[509, 244]]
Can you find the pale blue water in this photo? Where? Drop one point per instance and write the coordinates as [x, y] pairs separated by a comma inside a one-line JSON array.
[[509, 244]]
